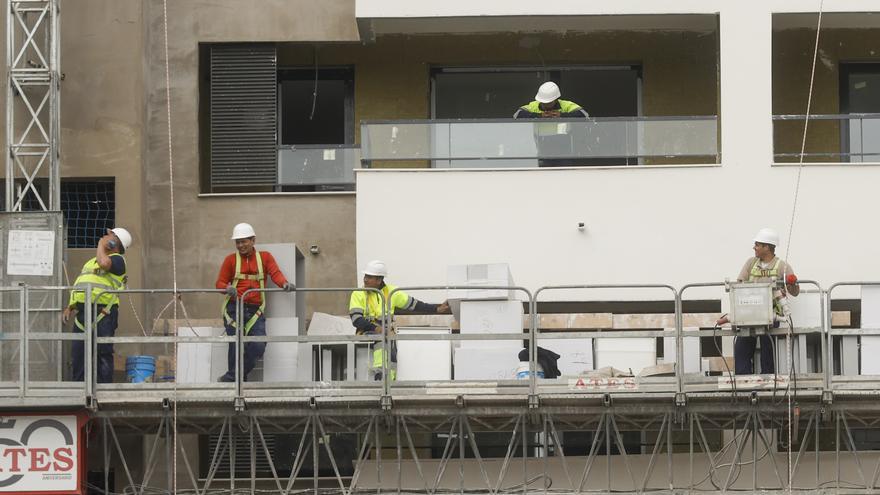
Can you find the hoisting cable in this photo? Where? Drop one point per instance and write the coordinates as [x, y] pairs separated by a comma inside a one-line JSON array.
[[173, 238], [791, 230]]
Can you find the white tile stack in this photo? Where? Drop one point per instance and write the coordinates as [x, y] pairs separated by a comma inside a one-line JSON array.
[[483, 311]]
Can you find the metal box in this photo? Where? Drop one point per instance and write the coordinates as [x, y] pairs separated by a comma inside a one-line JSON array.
[[751, 304]]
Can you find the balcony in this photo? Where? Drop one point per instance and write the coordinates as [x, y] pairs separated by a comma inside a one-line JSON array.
[[495, 143]]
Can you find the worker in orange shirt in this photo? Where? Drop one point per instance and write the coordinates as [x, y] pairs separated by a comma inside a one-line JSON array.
[[241, 271]]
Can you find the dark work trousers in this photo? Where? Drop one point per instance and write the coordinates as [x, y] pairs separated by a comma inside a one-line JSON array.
[[744, 355], [106, 327], [253, 351]]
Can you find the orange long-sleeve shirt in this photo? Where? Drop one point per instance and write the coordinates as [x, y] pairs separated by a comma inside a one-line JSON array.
[[249, 267]]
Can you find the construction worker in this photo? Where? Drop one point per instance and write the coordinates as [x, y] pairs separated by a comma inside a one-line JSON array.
[[106, 271], [552, 138], [365, 310], [765, 266], [241, 271], [549, 105]]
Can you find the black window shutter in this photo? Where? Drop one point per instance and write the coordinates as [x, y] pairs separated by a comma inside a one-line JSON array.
[[244, 118]]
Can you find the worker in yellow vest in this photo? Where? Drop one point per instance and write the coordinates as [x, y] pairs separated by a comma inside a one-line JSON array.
[[765, 266], [548, 104], [552, 138], [105, 272], [365, 310], [241, 271]]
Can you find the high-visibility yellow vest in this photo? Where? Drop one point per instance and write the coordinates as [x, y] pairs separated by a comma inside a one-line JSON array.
[[242, 276], [101, 281], [565, 106], [371, 303], [757, 272], [544, 129]]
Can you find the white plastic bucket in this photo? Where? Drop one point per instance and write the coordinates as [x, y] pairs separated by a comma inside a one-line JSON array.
[[522, 371]]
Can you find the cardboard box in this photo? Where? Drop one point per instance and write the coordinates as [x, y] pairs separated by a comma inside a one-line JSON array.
[[716, 364], [485, 364], [428, 359], [691, 359], [281, 360], [324, 324], [575, 355], [626, 353], [480, 275], [488, 317]]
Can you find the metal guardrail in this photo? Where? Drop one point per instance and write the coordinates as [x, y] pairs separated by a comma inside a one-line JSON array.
[[659, 385], [857, 134], [833, 384], [475, 143], [511, 384], [22, 387], [328, 166]]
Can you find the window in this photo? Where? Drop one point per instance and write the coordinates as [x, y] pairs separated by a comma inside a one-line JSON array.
[[89, 209], [316, 109], [469, 93], [860, 94], [88, 206], [266, 128], [316, 105]]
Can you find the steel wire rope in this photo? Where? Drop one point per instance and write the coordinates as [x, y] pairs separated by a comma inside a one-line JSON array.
[[174, 295], [794, 205]]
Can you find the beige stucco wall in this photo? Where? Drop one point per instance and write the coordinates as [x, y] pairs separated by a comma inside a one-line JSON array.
[[792, 61], [203, 225]]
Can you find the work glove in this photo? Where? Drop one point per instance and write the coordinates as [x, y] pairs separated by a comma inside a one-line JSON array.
[[791, 279], [231, 291], [288, 287]]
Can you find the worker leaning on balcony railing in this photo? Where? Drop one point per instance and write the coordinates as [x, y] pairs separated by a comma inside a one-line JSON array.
[[765, 266], [552, 138], [106, 271], [365, 310], [549, 105], [241, 271]]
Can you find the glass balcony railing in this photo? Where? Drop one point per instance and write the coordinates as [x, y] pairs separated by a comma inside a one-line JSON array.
[[838, 138], [326, 167], [541, 142]]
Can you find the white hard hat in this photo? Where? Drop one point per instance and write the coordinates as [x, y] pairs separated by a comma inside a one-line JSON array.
[[376, 268], [767, 236], [242, 231], [548, 92], [123, 235]]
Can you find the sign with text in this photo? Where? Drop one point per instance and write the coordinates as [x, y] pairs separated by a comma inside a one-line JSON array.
[[31, 252], [40, 454], [753, 382], [598, 384]]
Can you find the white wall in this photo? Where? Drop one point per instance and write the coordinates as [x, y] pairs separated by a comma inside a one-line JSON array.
[[643, 224], [454, 8]]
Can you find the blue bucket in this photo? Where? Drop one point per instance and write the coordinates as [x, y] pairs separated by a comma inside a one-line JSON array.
[[140, 369]]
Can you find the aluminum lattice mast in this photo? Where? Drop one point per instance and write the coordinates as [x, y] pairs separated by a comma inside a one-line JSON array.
[[32, 103]]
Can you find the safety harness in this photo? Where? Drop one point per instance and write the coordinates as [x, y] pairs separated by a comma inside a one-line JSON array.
[[230, 321]]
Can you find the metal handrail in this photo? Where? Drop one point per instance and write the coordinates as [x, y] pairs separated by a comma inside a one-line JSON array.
[[829, 385], [677, 306], [634, 118], [822, 329], [828, 116], [530, 335], [240, 339]]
